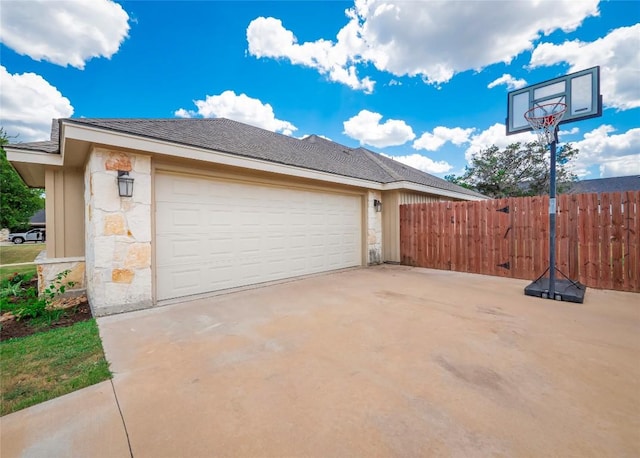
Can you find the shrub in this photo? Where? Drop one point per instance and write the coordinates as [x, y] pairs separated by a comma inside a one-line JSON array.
[[58, 286], [25, 303]]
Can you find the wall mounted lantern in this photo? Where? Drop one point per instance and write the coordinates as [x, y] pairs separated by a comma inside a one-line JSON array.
[[377, 205], [125, 184]]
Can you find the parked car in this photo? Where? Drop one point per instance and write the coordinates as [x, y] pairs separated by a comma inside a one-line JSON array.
[[34, 235]]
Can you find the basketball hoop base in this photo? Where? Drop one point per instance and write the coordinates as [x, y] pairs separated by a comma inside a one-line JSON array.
[[565, 290]]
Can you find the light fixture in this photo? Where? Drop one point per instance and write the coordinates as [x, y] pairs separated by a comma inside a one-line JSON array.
[[125, 184], [377, 205]]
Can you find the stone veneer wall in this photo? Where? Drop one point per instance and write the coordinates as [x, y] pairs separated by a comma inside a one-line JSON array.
[[48, 270], [374, 229], [118, 233]]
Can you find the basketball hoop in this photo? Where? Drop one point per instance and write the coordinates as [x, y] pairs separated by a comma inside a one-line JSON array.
[[544, 118]]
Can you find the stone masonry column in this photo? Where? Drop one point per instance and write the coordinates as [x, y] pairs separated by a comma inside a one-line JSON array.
[[374, 229], [118, 233]]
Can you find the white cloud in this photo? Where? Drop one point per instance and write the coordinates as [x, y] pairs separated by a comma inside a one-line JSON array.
[[420, 162], [182, 113], [268, 38], [430, 39], [239, 108], [437, 39], [618, 57], [613, 154], [433, 141], [367, 129], [572, 131], [621, 167], [509, 81], [64, 32], [29, 103]]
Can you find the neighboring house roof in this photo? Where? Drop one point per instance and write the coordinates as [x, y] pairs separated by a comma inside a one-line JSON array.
[[614, 184], [44, 147], [38, 218], [224, 135]]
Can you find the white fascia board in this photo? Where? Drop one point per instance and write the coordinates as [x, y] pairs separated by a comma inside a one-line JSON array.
[[429, 189], [129, 141], [32, 157]]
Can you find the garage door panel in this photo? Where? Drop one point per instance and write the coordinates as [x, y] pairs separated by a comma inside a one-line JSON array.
[[186, 249], [214, 235]]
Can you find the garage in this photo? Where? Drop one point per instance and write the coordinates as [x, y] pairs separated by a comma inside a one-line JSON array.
[[214, 234]]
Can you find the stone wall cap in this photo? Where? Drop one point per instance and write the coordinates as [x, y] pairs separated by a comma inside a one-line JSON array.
[[42, 259]]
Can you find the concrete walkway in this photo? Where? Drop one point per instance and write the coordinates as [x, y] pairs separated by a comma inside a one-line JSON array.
[[386, 361], [86, 423]]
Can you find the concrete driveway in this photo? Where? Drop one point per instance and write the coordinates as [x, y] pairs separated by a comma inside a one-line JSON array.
[[385, 361]]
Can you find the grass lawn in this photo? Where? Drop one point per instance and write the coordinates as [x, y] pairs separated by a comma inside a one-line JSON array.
[[13, 254], [43, 366], [6, 271]]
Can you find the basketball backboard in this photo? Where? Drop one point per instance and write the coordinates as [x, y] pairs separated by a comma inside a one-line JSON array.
[[580, 91]]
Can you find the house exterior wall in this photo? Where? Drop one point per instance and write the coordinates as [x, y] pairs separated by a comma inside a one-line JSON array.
[[415, 198], [374, 228], [118, 233], [390, 226], [64, 208]]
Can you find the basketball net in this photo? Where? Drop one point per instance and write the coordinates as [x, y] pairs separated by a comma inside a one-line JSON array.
[[544, 119]]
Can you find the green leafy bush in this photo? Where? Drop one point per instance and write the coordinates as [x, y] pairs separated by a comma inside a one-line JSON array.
[[31, 309], [14, 291], [23, 300], [58, 286]]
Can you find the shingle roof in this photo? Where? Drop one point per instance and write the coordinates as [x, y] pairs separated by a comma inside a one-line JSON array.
[[225, 135], [42, 147], [614, 184]]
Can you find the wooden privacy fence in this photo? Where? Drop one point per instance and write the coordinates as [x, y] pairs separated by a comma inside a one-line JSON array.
[[597, 237]]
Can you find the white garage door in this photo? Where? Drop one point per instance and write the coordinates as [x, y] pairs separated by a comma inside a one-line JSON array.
[[213, 234]]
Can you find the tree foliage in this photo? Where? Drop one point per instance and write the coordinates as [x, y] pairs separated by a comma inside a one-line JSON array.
[[18, 202], [521, 169]]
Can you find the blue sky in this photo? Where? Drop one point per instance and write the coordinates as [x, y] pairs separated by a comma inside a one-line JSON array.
[[423, 82]]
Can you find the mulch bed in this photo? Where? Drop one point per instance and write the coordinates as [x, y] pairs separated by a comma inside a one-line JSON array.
[[20, 328]]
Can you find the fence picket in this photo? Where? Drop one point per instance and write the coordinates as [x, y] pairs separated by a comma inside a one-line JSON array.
[[617, 247], [605, 241], [562, 234], [632, 258], [514, 250], [574, 240], [543, 236]]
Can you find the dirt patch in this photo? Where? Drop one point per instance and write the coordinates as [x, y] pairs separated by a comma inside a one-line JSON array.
[[79, 311]]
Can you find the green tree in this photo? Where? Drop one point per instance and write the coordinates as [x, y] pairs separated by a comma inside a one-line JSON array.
[[521, 169], [17, 201]]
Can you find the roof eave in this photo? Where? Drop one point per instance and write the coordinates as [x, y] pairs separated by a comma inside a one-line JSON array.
[[430, 190], [31, 165]]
